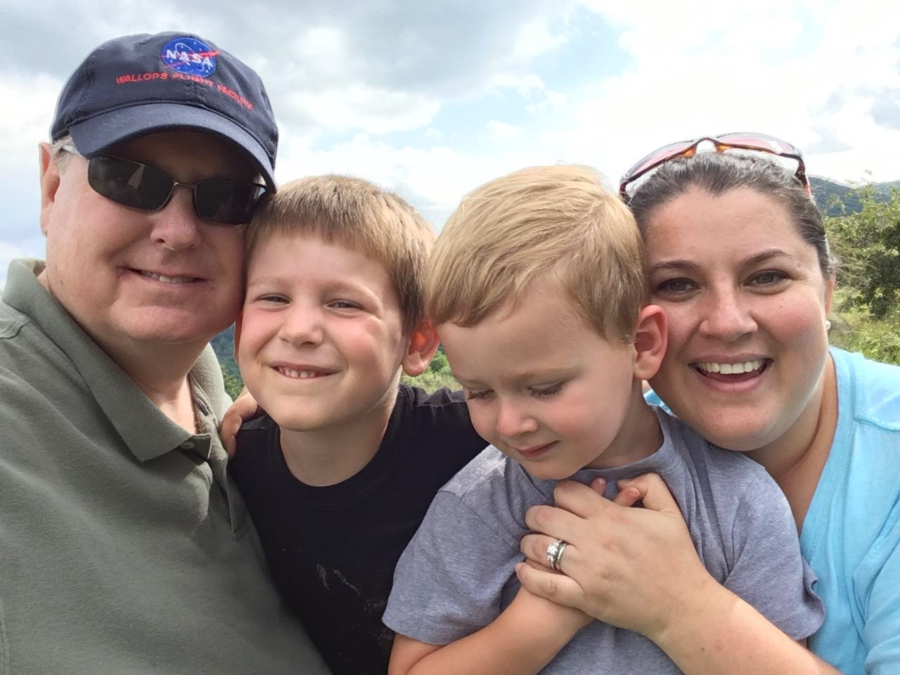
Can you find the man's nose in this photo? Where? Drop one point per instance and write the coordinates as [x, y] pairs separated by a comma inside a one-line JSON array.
[[177, 225]]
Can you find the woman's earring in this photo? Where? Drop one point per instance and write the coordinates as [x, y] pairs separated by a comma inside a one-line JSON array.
[[827, 325]]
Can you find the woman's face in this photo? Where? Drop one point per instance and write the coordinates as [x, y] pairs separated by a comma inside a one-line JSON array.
[[746, 303]]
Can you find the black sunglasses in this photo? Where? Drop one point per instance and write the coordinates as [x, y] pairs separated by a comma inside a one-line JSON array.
[[226, 202]]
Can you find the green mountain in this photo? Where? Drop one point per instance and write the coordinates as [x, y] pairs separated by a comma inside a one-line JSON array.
[[223, 346], [831, 195]]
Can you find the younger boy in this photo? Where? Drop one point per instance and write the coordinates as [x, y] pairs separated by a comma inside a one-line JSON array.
[[536, 287], [340, 472]]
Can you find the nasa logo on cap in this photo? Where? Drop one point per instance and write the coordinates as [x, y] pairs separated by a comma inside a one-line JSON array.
[[189, 56]]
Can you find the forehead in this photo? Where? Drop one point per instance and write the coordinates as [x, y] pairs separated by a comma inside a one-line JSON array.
[[735, 221], [308, 257], [200, 152], [541, 329]]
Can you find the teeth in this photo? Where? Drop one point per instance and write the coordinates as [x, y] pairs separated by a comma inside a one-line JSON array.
[[731, 368], [167, 280], [298, 374]]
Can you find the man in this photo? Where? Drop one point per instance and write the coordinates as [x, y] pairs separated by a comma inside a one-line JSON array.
[[123, 545]]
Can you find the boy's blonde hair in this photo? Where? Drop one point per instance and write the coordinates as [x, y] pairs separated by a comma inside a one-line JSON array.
[[358, 215], [556, 223]]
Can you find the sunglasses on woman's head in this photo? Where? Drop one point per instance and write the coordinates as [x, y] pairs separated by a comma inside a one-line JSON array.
[[735, 141], [130, 183]]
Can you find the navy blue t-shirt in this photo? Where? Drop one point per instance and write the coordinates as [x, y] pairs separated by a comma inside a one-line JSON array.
[[332, 550]]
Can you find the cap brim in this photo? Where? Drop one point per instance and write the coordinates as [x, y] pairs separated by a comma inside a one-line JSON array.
[[94, 135]]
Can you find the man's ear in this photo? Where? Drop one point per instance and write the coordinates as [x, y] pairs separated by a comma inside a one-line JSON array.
[[423, 343], [650, 340], [238, 322], [49, 183]]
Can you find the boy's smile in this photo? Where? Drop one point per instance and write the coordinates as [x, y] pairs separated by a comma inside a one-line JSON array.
[[547, 390], [320, 341]]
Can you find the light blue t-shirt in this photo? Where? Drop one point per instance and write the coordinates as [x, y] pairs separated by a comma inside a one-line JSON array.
[[851, 534]]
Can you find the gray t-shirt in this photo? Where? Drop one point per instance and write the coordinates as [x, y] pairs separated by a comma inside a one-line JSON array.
[[457, 574]]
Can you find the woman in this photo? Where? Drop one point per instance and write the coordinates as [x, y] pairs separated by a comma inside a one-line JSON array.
[[738, 258]]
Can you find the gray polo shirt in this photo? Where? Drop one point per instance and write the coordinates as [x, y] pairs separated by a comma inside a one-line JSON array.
[[124, 548]]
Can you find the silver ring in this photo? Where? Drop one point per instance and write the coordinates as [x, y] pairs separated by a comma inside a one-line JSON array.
[[555, 553]]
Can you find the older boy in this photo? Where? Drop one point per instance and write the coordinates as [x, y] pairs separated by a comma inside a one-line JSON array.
[[340, 472], [536, 287]]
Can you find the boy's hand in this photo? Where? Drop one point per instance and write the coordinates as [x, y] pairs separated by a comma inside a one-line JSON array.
[[546, 614], [243, 409]]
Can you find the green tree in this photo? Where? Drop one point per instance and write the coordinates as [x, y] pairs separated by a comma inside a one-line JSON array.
[[233, 383], [868, 247]]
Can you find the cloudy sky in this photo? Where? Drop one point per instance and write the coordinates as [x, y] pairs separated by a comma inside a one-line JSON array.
[[433, 97]]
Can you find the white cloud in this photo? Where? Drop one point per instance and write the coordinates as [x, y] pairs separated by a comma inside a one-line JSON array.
[[525, 85], [343, 77], [360, 106], [28, 121], [500, 131], [699, 68], [536, 38]]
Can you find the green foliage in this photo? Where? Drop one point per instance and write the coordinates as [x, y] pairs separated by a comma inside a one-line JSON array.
[[867, 300], [438, 375], [868, 246], [233, 385], [878, 339]]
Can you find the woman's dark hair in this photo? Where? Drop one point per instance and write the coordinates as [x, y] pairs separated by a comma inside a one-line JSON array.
[[718, 173]]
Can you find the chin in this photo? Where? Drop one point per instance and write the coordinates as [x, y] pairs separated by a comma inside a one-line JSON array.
[[736, 439], [174, 329]]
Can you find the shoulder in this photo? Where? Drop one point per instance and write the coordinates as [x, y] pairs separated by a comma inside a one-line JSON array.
[[495, 487], [490, 469], [11, 322], [871, 389], [438, 424], [255, 431], [441, 406], [207, 375], [703, 456]]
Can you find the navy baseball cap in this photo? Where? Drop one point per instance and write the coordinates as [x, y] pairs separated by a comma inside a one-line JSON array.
[[142, 84]]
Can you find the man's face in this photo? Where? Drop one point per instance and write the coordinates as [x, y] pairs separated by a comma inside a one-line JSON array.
[[132, 277]]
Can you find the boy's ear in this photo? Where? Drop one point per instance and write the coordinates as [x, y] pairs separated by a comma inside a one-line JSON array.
[[650, 340], [423, 343], [238, 322]]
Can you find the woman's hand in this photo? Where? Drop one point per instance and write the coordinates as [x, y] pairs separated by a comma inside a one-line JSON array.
[[635, 568], [243, 409]]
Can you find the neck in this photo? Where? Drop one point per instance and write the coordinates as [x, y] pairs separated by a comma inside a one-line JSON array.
[[160, 370], [796, 459], [331, 455], [639, 437], [788, 450], [161, 373]]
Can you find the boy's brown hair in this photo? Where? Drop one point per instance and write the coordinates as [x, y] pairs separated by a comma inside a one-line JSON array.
[[556, 223], [360, 216]]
